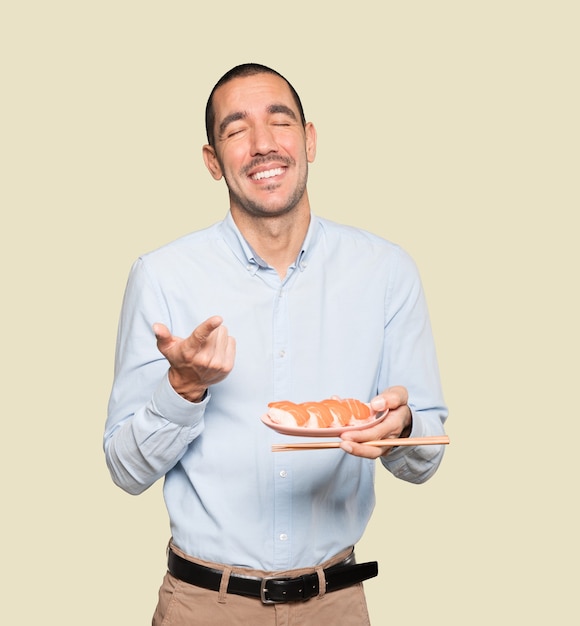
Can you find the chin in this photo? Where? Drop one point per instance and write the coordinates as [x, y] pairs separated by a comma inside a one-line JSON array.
[[261, 209]]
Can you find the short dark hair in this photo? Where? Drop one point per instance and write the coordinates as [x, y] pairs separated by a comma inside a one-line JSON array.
[[241, 71]]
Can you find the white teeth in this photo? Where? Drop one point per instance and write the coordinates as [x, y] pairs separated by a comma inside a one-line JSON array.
[[268, 174]]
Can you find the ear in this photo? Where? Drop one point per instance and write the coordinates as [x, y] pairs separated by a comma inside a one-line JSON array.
[[212, 162], [310, 133]]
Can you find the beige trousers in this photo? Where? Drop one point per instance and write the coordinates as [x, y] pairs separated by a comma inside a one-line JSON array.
[[182, 604]]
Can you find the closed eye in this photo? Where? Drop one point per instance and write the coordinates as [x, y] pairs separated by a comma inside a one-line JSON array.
[[228, 126]]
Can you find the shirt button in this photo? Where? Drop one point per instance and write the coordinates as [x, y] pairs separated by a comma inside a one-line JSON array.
[[282, 353], [283, 473], [283, 537]]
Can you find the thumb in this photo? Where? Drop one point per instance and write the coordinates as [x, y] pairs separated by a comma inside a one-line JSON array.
[[391, 398], [163, 335]]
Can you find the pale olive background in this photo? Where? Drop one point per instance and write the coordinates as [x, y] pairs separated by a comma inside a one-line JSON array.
[[450, 127]]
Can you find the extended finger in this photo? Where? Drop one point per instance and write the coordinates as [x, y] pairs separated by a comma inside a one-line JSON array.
[[205, 330]]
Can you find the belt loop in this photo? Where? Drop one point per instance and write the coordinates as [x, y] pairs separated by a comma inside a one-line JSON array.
[[223, 591], [321, 581]]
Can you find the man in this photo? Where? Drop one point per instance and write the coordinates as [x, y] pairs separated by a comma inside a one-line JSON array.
[[271, 304]]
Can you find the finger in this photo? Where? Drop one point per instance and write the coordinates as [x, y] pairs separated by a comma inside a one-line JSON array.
[[223, 347], [231, 352], [385, 430], [218, 339], [359, 449], [215, 348], [205, 330]]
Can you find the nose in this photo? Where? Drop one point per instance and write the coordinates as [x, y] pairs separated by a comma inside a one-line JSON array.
[[262, 140]]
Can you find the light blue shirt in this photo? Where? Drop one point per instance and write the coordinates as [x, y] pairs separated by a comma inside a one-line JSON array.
[[349, 319]]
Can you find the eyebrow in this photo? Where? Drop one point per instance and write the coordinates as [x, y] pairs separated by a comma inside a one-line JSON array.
[[241, 115], [282, 108]]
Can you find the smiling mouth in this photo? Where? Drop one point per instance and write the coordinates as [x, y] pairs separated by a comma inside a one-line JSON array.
[[267, 173]]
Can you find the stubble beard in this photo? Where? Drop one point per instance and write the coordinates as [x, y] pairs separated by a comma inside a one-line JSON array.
[[255, 208]]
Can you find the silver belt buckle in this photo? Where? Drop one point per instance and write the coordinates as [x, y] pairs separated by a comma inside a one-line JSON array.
[[264, 591]]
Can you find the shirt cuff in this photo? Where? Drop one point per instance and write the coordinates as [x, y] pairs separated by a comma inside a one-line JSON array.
[[415, 464], [417, 430], [176, 409]]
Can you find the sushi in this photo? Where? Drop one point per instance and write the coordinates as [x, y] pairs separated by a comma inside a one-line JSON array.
[[329, 413]]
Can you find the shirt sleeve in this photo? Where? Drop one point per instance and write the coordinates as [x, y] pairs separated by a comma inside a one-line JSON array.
[[409, 359], [149, 426]]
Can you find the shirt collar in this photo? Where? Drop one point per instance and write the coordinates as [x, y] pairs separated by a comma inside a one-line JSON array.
[[247, 255]]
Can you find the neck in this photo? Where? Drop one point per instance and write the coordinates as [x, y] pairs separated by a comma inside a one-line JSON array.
[[276, 239]]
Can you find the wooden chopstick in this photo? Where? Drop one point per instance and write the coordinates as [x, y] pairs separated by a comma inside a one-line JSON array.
[[403, 441]]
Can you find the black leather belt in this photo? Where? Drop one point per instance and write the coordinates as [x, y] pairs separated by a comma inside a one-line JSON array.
[[272, 589]]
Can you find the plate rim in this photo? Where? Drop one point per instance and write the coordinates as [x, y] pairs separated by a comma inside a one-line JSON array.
[[300, 431]]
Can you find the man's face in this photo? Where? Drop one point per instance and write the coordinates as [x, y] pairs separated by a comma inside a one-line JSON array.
[[261, 147]]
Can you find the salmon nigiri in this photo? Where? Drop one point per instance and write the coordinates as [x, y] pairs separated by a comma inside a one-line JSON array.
[[328, 413]]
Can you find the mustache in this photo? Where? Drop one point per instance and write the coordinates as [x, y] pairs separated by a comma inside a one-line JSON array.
[[267, 160]]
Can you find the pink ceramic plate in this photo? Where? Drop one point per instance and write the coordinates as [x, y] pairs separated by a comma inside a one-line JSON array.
[[300, 431]]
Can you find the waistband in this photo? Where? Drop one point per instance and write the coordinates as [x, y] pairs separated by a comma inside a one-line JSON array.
[[275, 588]]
